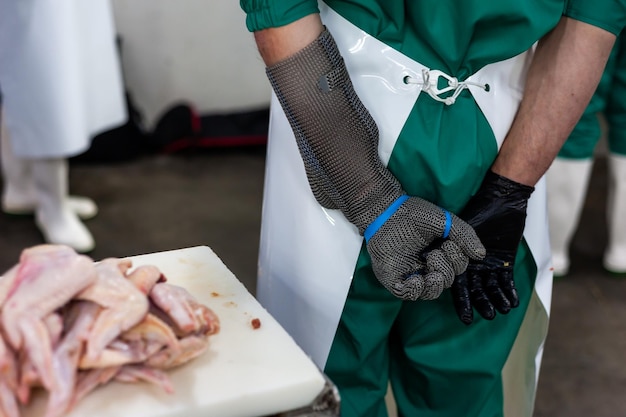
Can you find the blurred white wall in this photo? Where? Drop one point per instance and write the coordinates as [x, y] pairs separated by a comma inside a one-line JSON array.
[[189, 50]]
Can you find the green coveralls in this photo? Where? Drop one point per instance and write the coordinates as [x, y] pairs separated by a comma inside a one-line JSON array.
[[436, 365]]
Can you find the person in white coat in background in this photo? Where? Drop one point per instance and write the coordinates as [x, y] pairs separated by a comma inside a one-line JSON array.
[[569, 174], [61, 83]]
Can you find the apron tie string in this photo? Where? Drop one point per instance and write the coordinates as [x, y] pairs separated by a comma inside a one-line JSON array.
[[430, 81]]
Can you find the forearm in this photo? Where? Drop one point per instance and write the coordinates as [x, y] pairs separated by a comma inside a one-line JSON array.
[[565, 72], [277, 44]]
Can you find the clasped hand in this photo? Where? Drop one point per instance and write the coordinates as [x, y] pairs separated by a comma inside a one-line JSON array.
[[396, 250], [497, 212]]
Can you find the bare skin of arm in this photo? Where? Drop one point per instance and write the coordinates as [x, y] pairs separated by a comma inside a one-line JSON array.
[[277, 44], [565, 72]]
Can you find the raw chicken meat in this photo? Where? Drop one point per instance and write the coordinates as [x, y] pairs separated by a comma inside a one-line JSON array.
[[69, 324], [48, 276], [124, 305]]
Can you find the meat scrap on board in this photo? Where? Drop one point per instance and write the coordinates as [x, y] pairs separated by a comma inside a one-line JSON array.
[[69, 324]]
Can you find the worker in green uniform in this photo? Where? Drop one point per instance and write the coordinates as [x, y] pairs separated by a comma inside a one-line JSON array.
[[408, 141], [568, 177]]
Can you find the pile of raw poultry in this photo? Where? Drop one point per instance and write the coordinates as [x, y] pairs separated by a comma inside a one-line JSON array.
[[69, 324]]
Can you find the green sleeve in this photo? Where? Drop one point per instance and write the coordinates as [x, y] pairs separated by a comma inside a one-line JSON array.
[[609, 15], [263, 14]]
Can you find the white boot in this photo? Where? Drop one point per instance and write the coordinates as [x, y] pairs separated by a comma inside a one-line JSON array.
[[18, 196], [567, 181], [615, 254], [57, 222], [19, 189]]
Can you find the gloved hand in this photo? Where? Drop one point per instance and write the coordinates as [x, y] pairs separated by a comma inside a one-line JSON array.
[[498, 214], [397, 250], [338, 142]]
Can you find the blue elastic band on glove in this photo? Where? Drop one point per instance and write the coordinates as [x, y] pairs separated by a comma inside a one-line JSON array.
[[446, 230], [384, 216]]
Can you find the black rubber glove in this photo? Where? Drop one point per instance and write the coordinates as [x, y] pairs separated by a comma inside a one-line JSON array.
[[498, 214]]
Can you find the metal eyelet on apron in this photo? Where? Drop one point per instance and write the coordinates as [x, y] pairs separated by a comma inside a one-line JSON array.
[[430, 85]]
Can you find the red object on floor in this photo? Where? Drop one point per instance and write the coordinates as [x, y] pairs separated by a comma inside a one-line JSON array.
[[182, 128]]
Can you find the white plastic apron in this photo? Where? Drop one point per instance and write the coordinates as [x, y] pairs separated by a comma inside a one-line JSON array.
[[308, 253], [59, 74]]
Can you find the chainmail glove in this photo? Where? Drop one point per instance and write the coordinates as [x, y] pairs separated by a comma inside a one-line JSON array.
[[338, 142], [498, 214]]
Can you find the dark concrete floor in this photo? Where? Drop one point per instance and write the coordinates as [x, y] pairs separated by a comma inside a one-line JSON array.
[[164, 202], [584, 366], [160, 202]]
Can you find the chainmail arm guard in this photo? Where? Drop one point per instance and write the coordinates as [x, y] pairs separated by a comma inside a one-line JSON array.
[[338, 142]]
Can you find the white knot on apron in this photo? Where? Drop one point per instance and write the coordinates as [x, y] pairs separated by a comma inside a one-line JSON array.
[[430, 85]]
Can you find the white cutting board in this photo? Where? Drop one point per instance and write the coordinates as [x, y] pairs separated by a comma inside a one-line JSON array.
[[246, 372]]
